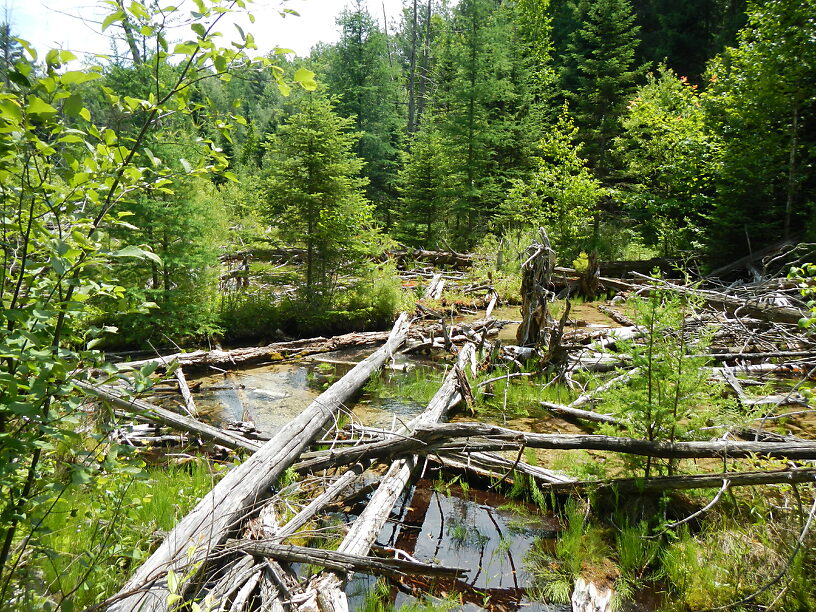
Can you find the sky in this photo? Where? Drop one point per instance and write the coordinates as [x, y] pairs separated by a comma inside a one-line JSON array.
[[75, 24]]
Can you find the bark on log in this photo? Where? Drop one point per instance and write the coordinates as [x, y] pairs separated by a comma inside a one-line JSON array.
[[478, 437], [189, 404], [274, 351], [157, 414], [693, 481], [222, 510], [536, 271]]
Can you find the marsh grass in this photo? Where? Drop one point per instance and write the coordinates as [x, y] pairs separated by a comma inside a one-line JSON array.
[[519, 396], [378, 599], [98, 533]]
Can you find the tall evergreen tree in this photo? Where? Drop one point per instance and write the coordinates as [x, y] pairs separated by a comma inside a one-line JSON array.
[[483, 100], [600, 74], [359, 71], [426, 180], [316, 193]]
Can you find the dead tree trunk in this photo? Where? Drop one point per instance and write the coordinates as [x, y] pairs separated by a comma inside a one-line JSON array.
[[189, 404], [536, 272], [209, 524], [162, 416]]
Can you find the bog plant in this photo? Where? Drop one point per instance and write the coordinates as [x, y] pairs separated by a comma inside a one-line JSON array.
[[670, 398]]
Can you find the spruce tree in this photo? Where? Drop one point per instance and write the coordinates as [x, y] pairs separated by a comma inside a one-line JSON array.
[[601, 75], [316, 196], [359, 71], [483, 102], [426, 181]]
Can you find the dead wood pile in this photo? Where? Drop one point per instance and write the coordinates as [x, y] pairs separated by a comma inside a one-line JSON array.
[[236, 545]]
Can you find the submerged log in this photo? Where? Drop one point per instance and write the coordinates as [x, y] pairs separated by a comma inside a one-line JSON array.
[[190, 543]]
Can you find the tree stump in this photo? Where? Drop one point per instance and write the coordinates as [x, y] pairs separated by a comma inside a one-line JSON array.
[[536, 272]]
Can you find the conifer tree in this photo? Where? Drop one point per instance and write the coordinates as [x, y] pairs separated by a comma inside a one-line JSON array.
[[600, 74], [426, 181], [484, 102], [316, 194], [360, 72]]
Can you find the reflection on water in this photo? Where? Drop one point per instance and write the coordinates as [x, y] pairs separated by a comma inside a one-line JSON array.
[[272, 395], [269, 396], [468, 530]]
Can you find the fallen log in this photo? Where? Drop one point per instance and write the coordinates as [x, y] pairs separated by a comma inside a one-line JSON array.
[[478, 437], [754, 308], [342, 561], [190, 543], [189, 404], [364, 530], [276, 351], [444, 258], [692, 481], [492, 465], [577, 413], [162, 416]]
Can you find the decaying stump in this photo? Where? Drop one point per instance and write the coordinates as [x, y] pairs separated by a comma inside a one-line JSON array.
[[536, 273], [190, 543]]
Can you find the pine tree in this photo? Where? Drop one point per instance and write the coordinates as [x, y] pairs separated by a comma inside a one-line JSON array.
[[601, 75], [316, 194]]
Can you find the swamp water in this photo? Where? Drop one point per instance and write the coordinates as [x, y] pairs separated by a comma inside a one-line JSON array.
[[434, 522]]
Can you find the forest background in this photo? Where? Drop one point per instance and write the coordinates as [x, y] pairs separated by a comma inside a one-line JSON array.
[[627, 129]]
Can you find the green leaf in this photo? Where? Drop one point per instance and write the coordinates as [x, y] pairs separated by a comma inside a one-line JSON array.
[[138, 253], [306, 78], [199, 29], [76, 77], [112, 18], [18, 78], [72, 105], [38, 106]]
